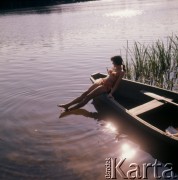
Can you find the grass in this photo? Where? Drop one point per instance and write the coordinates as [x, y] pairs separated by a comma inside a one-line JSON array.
[[155, 64]]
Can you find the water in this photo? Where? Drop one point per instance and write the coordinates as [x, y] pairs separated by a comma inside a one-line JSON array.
[[46, 58]]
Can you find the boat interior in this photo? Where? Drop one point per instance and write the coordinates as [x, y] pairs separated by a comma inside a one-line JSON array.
[[153, 105]]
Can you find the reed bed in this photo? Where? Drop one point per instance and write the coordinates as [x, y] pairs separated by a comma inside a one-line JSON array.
[[155, 64]]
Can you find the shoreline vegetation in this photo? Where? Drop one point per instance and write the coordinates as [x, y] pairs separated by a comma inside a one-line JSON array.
[[155, 64], [9, 5]]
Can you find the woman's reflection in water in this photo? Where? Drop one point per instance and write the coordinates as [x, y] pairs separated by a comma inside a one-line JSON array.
[[82, 112], [106, 120]]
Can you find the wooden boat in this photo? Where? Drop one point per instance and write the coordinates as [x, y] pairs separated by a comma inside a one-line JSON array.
[[151, 108]]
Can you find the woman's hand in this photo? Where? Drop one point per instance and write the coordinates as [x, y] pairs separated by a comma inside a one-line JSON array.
[[109, 71]]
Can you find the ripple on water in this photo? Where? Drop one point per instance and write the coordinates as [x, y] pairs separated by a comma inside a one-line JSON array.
[[48, 61]]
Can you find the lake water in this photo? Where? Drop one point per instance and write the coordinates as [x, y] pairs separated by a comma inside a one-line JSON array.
[[46, 58]]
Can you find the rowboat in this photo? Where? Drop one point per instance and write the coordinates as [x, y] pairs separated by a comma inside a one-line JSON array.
[[153, 109]]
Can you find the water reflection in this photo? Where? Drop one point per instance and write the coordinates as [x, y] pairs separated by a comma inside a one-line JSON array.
[[33, 10], [125, 13], [111, 127], [127, 151], [81, 112], [126, 148]]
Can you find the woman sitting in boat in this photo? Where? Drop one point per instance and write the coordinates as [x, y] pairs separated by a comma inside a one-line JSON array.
[[109, 84]]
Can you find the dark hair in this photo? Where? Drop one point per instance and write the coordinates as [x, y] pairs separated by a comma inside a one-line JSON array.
[[117, 60]]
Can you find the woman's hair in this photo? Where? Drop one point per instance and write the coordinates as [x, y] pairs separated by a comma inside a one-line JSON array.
[[117, 60]]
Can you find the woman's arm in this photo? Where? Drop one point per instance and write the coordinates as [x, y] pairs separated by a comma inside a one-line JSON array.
[[117, 82]]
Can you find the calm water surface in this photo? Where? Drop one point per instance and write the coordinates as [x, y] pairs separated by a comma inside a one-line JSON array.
[[46, 58]]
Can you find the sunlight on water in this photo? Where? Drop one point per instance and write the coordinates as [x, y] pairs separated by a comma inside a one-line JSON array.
[[127, 151], [127, 13], [111, 127]]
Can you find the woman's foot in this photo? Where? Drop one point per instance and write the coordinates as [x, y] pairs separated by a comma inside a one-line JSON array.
[[63, 106]]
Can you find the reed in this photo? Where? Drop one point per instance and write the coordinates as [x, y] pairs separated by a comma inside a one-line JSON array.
[[155, 64]]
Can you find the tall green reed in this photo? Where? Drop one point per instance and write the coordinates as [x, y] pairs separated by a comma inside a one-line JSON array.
[[155, 64]]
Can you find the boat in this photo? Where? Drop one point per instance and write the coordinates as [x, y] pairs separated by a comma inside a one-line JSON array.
[[153, 109]]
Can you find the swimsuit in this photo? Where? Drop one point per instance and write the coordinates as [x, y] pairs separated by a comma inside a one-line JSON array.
[[109, 81]]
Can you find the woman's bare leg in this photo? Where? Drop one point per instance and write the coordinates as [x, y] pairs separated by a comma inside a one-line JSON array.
[[95, 92], [78, 99]]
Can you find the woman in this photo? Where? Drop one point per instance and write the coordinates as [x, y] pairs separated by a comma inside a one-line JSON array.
[[103, 85]]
